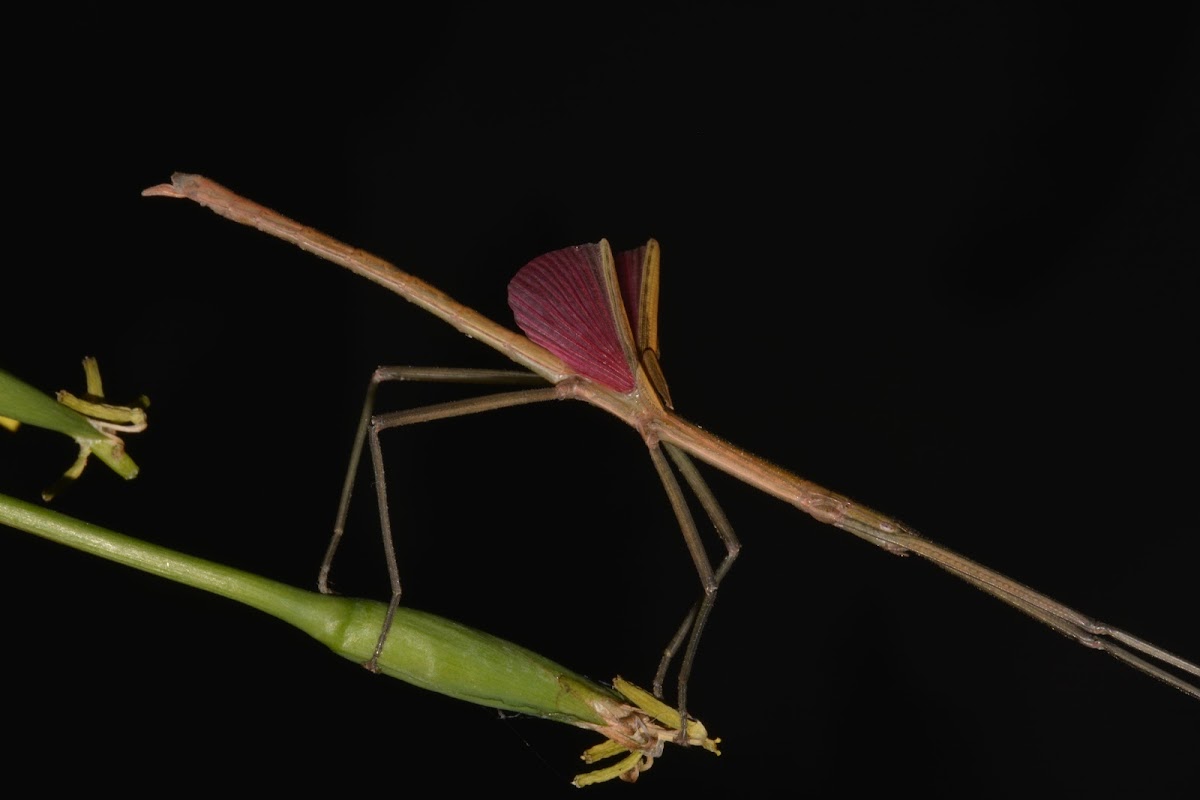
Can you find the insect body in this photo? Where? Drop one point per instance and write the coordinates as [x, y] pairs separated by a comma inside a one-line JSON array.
[[591, 332]]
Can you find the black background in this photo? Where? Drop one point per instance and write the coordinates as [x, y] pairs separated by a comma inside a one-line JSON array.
[[940, 260]]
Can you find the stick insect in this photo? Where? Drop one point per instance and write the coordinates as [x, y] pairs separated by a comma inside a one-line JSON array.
[[590, 320]]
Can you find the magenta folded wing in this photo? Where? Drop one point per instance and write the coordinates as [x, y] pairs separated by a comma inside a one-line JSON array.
[[559, 301], [629, 276]]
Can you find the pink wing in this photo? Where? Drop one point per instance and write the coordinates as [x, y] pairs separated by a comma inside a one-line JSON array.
[[560, 302], [629, 276]]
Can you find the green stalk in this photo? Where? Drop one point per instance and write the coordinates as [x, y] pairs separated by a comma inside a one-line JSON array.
[[24, 403], [422, 649]]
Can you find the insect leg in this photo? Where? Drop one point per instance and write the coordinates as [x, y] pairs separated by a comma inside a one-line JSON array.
[[369, 427], [693, 624]]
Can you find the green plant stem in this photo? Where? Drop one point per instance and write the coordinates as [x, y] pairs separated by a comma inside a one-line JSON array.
[[27, 404], [422, 649]]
